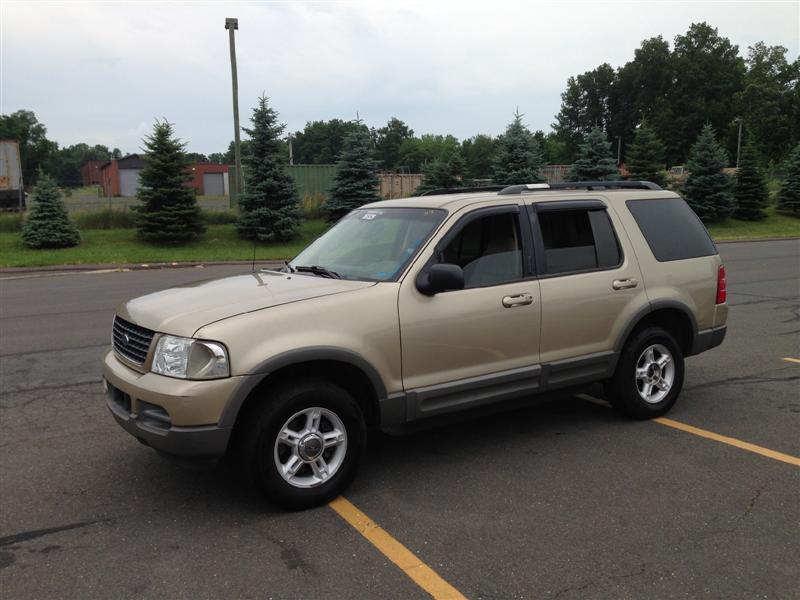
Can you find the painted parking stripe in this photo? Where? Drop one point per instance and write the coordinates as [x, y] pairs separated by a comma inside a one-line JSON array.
[[409, 563], [710, 435], [792, 360]]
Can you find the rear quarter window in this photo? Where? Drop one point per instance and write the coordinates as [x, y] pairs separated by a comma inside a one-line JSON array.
[[672, 229]]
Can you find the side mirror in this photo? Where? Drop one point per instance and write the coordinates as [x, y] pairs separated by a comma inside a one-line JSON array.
[[440, 278]]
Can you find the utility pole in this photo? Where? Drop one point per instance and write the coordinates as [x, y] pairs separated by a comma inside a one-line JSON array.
[[739, 142], [619, 149], [291, 156], [232, 25]]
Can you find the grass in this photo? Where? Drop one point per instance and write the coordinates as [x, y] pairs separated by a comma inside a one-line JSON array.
[[121, 246], [775, 225]]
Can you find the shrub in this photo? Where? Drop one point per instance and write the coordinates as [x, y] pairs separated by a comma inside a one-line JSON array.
[[105, 219], [10, 222], [220, 217], [313, 206], [48, 225]]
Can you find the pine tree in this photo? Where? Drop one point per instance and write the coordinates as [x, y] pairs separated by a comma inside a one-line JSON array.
[[750, 192], [645, 159], [789, 195], [518, 157], [356, 182], [169, 212], [269, 208], [595, 160], [443, 172], [707, 188], [48, 225]]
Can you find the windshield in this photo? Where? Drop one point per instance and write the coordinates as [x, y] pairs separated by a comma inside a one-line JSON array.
[[372, 244]]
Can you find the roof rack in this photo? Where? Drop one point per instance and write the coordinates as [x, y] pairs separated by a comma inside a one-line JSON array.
[[578, 185], [464, 190]]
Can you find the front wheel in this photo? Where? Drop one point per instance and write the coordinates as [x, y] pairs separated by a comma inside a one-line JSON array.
[[649, 375], [304, 445]]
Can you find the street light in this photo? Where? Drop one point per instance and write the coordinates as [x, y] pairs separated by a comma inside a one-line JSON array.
[[232, 25]]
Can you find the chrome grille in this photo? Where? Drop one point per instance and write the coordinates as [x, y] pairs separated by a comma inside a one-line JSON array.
[[131, 342]]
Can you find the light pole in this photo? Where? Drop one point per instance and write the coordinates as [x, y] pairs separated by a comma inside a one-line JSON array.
[[739, 142], [232, 25]]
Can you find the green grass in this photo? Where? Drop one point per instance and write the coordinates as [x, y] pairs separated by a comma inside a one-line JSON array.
[[121, 246], [774, 226]]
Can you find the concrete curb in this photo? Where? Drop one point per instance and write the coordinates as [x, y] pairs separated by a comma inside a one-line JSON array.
[[58, 270], [746, 240]]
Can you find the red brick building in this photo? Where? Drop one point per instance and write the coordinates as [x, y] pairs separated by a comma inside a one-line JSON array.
[[90, 172], [121, 177]]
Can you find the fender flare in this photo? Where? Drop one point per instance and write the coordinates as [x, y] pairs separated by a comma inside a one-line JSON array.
[[651, 308], [293, 357]]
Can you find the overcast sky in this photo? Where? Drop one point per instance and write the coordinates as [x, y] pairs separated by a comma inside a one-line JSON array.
[[100, 72]]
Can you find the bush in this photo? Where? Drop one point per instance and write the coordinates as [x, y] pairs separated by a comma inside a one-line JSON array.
[[10, 222], [48, 224], [220, 217]]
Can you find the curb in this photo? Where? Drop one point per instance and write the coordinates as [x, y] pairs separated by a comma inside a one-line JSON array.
[[747, 240]]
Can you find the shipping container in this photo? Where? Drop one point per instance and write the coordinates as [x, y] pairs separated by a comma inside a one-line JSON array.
[[12, 193]]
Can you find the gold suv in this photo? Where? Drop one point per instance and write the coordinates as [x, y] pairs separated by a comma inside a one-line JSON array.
[[415, 308]]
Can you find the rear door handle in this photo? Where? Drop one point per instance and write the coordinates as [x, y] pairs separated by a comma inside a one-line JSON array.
[[517, 300], [624, 284]]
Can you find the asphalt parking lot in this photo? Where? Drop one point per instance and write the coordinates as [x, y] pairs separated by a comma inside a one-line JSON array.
[[560, 499]]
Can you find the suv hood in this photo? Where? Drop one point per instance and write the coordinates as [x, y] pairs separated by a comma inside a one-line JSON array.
[[184, 309]]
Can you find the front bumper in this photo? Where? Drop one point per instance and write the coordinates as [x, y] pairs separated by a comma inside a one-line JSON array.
[[173, 416]]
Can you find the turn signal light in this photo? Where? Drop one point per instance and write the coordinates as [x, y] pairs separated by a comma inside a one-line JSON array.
[[722, 286]]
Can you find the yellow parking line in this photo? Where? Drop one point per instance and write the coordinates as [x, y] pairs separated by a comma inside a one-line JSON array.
[[419, 572], [724, 439], [794, 360]]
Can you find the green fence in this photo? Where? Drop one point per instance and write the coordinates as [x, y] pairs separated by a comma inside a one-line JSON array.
[[311, 180]]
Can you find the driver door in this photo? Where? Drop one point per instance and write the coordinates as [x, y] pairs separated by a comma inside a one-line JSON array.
[[469, 347]]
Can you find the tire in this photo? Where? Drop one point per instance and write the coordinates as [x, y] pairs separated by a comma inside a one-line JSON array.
[[290, 412], [649, 375]]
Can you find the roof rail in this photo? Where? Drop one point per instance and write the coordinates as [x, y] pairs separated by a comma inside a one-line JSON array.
[[464, 190], [578, 185]]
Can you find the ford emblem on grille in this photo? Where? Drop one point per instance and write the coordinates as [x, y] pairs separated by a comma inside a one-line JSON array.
[[125, 339]]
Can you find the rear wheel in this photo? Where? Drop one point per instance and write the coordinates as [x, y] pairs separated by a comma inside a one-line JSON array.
[[649, 375], [304, 444]]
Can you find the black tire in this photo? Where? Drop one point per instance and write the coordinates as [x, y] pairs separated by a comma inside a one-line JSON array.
[[622, 390], [261, 429]]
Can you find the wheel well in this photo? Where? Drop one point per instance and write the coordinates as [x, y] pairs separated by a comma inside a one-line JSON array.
[[347, 376], [673, 320]]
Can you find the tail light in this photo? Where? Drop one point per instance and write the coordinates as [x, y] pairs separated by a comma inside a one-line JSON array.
[[722, 285]]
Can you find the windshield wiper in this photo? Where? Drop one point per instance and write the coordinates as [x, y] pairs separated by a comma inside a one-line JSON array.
[[317, 270]]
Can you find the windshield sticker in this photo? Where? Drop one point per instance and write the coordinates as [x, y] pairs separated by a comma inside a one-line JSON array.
[[369, 216]]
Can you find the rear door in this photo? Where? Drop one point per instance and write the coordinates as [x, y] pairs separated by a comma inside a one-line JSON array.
[[590, 282]]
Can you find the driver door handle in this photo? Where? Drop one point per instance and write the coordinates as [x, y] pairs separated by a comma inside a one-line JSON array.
[[517, 300], [624, 284]]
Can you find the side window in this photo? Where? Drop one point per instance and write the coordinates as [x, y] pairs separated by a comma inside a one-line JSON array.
[[488, 249], [577, 240]]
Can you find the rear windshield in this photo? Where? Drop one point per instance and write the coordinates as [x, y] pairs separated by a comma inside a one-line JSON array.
[[671, 229]]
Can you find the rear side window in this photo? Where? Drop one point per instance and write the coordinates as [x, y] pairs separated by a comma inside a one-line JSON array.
[[671, 229], [577, 240]]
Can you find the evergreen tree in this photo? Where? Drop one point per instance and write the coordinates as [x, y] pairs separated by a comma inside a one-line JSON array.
[[707, 188], [356, 182], [645, 159], [750, 193], [48, 225], [443, 172], [789, 195], [595, 161], [169, 211], [269, 208], [518, 157]]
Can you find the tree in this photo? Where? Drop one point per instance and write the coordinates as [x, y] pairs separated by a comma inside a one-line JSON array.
[[415, 153], [68, 162], [388, 141], [750, 193], [196, 157], [320, 142], [356, 182], [478, 153], [789, 194], [36, 151], [595, 161], [48, 225], [645, 159], [269, 208], [169, 212], [518, 157], [707, 188], [443, 172]]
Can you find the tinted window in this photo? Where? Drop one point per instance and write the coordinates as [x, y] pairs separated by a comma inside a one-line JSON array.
[[577, 240], [671, 229], [488, 249]]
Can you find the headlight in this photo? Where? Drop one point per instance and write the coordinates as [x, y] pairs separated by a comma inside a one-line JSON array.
[[188, 358]]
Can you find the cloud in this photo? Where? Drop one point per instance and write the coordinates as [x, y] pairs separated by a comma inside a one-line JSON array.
[[102, 72]]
